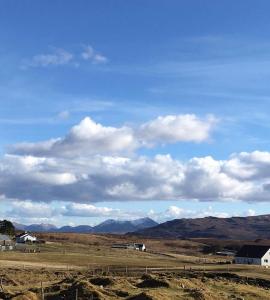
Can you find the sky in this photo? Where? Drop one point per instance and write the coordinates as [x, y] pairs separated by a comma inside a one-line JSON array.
[[126, 109]]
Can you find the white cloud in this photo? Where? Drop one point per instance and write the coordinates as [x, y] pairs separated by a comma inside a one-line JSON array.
[[28, 209], [99, 178], [175, 212], [57, 57], [177, 128], [100, 59], [89, 137], [88, 52], [95, 163], [30, 212], [91, 55], [60, 57], [88, 210]]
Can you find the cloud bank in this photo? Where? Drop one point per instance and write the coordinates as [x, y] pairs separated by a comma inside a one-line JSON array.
[[244, 176], [95, 163]]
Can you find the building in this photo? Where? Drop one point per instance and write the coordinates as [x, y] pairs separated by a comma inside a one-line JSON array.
[[25, 237], [6, 242], [133, 246], [253, 255], [140, 247], [226, 253]]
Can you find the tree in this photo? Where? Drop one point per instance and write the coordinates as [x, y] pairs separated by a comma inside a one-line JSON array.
[[6, 227]]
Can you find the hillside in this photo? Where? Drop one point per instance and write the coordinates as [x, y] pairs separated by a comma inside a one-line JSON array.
[[245, 228]]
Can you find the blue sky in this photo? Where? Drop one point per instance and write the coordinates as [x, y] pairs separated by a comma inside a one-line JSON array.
[[98, 65]]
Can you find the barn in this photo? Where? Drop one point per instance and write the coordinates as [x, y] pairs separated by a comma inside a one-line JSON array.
[[253, 255]]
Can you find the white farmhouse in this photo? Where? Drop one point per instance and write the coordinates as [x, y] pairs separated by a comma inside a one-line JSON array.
[[25, 237], [253, 255]]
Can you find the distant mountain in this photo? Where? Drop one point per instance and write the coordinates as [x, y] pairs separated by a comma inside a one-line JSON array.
[[108, 226], [76, 229], [144, 223], [41, 228], [121, 227], [19, 226], [243, 228]]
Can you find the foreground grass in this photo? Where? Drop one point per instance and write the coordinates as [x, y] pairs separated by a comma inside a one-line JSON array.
[[25, 285], [67, 263]]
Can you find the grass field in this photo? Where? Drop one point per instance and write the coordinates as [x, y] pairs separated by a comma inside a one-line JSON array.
[[68, 264]]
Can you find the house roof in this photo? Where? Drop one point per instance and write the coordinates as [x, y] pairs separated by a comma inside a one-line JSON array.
[[24, 234], [253, 251], [21, 235], [4, 237]]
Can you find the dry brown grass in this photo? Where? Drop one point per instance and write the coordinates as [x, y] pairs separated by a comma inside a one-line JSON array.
[[66, 264]]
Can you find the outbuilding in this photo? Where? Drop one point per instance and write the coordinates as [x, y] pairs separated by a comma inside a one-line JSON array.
[[253, 255], [25, 237], [133, 246]]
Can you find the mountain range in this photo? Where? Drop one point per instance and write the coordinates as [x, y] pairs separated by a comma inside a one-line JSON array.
[[240, 228], [108, 226]]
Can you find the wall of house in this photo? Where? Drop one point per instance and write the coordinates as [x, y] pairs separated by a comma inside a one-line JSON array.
[[247, 261], [30, 238], [266, 259]]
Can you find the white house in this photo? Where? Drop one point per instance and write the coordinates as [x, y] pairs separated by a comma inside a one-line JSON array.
[[140, 247], [253, 255], [133, 246], [25, 237]]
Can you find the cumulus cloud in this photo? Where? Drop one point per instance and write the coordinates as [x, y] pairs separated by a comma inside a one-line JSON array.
[[86, 138], [93, 163], [89, 210], [99, 178], [89, 137], [28, 209], [177, 128]]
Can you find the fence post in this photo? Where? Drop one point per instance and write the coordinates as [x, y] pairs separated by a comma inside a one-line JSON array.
[[42, 291], [76, 294], [2, 284]]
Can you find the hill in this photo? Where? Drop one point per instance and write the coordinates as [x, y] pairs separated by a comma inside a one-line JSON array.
[[241, 228]]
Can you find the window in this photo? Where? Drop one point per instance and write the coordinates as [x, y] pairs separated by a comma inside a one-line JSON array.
[[266, 260]]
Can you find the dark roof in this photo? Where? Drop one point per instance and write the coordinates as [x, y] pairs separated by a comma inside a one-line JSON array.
[[253, 251]]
